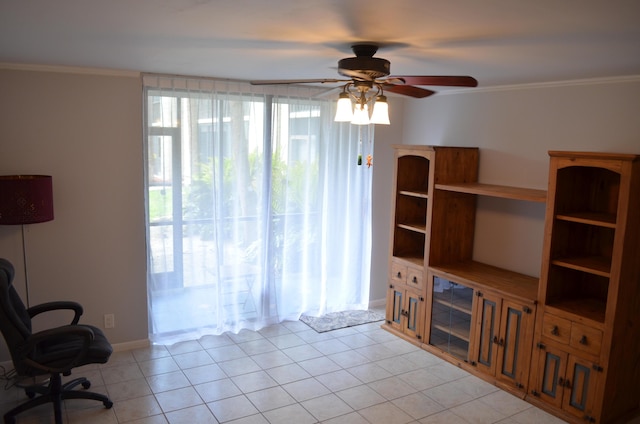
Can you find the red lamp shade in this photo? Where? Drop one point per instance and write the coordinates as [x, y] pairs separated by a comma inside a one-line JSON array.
[[25, 199]]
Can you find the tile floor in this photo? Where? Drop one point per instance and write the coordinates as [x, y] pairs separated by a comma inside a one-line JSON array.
[[289, 374]]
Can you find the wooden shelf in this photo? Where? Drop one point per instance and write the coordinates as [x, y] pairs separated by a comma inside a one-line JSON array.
[[505, 192], [460, 331], [420, 194], [597, 265], [419, 228], [448, 304], [478, 275], [579, 310], [607, 220], [419, 261]]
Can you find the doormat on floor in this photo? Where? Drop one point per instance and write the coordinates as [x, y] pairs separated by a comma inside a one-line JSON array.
[[336, 320]]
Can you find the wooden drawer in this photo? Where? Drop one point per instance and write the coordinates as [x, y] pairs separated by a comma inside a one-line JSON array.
[[586, 339], [576, 335], [556, 328], [398, 273], [414, 278]]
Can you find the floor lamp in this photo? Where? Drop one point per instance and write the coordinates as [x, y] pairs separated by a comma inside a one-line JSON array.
[[25, 199]]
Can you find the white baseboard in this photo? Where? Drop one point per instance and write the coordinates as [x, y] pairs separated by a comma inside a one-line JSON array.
[[379, 303], [135, 344]]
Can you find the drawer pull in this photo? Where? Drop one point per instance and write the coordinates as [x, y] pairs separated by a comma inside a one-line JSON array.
[[583, 340], [415, 279], [554, 330], [399, 274]]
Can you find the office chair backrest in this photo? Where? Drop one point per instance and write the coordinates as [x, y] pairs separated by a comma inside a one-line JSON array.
[[15, 322]]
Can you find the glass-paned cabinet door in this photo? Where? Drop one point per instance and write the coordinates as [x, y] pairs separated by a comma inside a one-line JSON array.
[[450, 327]]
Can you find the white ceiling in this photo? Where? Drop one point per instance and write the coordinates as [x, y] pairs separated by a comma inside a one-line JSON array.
[[498, 42]]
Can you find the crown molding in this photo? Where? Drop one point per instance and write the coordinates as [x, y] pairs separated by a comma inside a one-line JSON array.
[[70, 70], [492, 88]]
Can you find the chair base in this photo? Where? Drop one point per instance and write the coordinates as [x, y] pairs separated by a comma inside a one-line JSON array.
[[55, 392]]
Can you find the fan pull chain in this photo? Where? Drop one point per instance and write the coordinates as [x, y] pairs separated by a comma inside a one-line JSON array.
[[359, 145]]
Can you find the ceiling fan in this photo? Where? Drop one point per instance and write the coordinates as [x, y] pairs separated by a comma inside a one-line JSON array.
[[364, 73]]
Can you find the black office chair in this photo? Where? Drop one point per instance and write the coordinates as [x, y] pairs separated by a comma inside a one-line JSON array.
[[54, 352]]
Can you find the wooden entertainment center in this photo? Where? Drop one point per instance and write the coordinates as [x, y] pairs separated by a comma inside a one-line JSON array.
[[568, 341]]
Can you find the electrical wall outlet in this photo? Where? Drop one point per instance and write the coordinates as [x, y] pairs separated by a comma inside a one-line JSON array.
[[109, 321]]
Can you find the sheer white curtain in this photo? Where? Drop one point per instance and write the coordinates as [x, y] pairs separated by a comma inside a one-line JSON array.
[[257, 209]]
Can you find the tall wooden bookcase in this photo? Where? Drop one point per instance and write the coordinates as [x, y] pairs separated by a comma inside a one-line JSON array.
[[417, 169], [475, 315], [568, 341], [586, 360]]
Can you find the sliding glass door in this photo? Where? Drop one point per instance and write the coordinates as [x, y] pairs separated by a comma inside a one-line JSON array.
[[242, 192]]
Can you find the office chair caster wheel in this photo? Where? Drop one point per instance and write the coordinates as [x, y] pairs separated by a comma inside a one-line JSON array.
[[107, 404], [86, 384]]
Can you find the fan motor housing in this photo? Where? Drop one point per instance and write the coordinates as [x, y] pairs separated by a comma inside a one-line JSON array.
[[374, 67]]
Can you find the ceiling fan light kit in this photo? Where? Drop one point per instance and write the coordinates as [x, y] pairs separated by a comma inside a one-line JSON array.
[[366, 72], [359, 114]]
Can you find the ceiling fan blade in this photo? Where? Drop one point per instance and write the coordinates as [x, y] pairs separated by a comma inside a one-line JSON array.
[[408, 90], [298, 81], [442, 80]]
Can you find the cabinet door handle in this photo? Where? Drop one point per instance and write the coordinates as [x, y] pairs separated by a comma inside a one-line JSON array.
[[583, 340], [399, 274], [554, 330], [415, 279], [498, 342], [564, 382]]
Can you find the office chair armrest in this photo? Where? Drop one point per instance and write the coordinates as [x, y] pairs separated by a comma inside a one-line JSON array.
[[56, 361], [58, 305]]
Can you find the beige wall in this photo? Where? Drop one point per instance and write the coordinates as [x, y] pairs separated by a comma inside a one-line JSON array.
[[514, 127], [86, 131]]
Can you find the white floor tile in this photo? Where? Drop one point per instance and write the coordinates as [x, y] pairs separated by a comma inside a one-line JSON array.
[[386, 413], [288, 373], [197, 414], [268, 399], [178, 399], [306, 389], [217, 390], [290, 414], [361, 397], [251, 382], [232, 408], [326, 407]]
